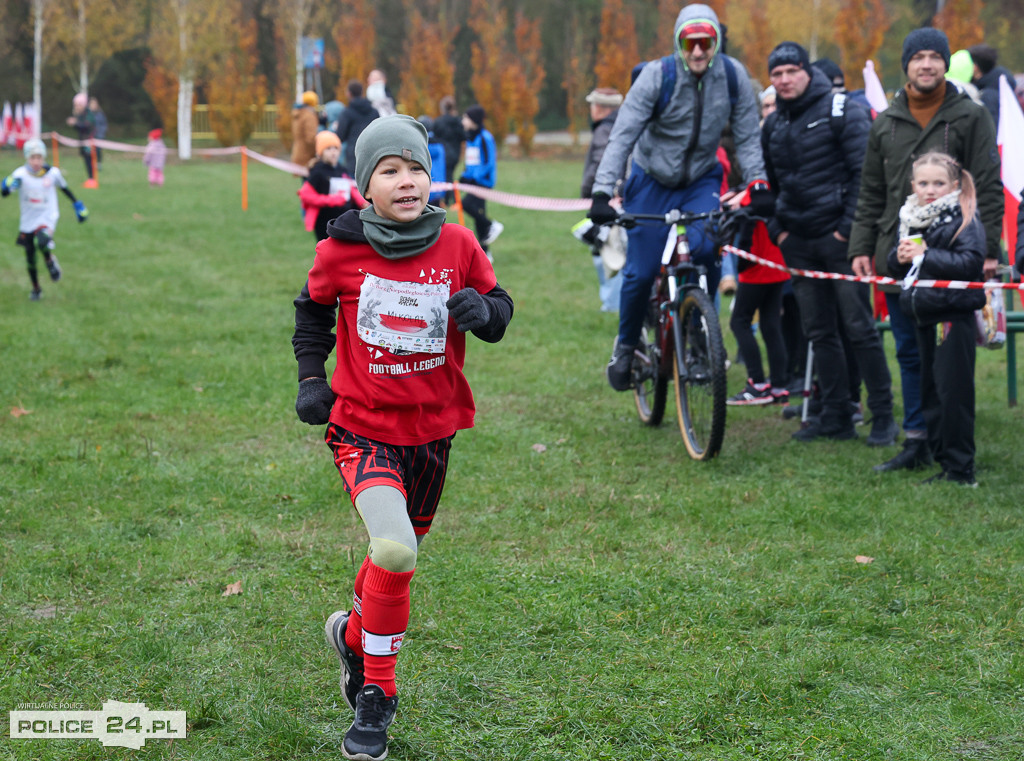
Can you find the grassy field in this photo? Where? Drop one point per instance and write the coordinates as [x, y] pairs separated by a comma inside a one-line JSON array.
[[605, 598]]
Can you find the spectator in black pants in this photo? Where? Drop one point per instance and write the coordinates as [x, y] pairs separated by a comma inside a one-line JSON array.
[[449, 132]]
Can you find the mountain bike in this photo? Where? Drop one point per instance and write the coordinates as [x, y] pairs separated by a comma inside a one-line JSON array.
[[682, 341]]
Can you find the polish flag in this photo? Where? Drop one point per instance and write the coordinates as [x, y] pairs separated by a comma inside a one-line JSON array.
[[873, 89], [7, 126], [19, 125], [1011, 147], [29, 120]]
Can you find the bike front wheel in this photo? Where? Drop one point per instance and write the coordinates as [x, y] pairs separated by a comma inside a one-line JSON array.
[[699, 373], [650, 377]]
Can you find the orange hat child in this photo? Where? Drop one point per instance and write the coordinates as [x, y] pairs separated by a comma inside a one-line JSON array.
[[325, 139]]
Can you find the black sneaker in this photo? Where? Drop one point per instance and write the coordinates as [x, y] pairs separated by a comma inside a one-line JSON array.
[[883, 432], [36, 294], [753, 394], [620, 367], [815, 431], [780, 395], [352, 678], [367, 738], [54, 267], [915, 455]]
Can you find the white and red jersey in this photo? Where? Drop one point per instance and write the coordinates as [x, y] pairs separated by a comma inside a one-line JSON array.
[[38, 197], [398, 376]]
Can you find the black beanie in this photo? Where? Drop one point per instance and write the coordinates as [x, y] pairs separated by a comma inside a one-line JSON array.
[[476, 115], [830, 69], [925, 38], [786, 53]]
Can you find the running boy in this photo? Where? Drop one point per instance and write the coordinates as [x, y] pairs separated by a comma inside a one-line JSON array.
[[409, 287], [37, 184], [941, 238]]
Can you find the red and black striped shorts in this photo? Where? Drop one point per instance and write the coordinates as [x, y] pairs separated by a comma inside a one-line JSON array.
[[417, 471]]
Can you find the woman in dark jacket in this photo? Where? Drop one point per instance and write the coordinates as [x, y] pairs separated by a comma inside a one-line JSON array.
[[941, 238]]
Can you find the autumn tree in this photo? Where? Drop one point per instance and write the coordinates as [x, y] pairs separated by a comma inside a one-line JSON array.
[[860, 29], [490, 59], [356, 38], [162, 87], [526, 78], [618, 52], [661, 43], [237, 94], [185, 36], [577, 81], [961, 21], [295, 18], [430, 70], [85, 33], [759, 43]]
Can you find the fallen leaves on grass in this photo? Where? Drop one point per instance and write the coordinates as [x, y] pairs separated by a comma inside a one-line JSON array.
[[864, 559], [539, 448], [232, 589], [19, 411]]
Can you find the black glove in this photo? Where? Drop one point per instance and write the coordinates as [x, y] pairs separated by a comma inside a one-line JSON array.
[[469, 310], [591, 235], [762, 201], [601, 210], [315, 400]]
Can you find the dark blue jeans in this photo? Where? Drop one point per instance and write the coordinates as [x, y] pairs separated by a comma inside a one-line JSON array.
[[823, 303], [646, 241], [904, 332]]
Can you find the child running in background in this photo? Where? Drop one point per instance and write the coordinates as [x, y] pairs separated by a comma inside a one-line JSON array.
[[155, 157], [941, 238], [407, 288], [329, 191], [481, 169], [37, 183]]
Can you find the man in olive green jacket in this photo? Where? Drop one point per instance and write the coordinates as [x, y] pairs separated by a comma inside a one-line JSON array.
[[929, 113]]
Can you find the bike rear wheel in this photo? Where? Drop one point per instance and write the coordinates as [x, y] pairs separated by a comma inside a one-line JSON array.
[[650, 378], [699, 373]]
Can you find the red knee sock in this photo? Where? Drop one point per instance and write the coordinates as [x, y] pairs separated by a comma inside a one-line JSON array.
[[385, 602], [354, 628]]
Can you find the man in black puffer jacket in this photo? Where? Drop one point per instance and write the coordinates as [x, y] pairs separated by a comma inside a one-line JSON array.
[[814, 148]]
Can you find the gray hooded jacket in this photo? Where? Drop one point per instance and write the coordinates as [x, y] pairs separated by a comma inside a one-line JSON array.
[[661, 144]]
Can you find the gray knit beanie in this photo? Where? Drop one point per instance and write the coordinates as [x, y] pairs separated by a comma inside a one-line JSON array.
[[397, 135], [925, 38]]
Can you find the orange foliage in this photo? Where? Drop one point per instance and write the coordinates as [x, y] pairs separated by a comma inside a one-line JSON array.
[[662, 44], [162, 87], [961, 21], [356, 37], [490, 58], [430, 69], [860, 27], [618, 52], [760, 43], [237, 96], [528, 78]]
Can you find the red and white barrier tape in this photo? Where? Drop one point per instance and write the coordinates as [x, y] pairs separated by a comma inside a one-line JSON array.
[[514, 200], [878, 280]]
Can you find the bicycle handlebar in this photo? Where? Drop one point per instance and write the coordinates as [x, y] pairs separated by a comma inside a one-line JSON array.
[[675, 216]]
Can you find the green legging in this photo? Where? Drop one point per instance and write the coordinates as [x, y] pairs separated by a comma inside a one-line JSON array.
[[393, 543]]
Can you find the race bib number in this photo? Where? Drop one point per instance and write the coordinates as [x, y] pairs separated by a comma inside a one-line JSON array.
[[403, 317], [340, 186], [472, 157]]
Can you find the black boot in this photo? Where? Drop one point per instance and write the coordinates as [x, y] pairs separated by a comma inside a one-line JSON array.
[[915, 455]]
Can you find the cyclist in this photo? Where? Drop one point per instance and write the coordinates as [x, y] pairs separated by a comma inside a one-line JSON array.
[[674, 166]]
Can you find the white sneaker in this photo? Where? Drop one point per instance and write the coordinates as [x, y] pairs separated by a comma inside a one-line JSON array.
[[495, 230]]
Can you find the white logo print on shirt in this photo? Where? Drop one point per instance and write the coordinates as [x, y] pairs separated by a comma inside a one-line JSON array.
[[403, 317]]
